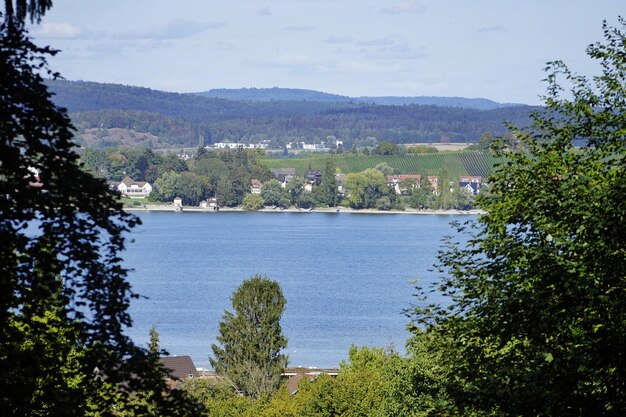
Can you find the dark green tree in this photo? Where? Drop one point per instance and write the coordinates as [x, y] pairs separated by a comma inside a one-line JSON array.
[[253, 202], [274, 194], [191, 188], [422, 197], [295, 188], [326, 193], [384, 168], [537, 320], [365, 188], [251, 338], [153, 345], [63, 292], [386, 148]]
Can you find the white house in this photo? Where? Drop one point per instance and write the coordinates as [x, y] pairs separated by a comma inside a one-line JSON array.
[[210, 203], [128, 187]]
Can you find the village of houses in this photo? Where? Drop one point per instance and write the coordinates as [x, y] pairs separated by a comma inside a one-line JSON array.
[[183, 369], [140, 189]]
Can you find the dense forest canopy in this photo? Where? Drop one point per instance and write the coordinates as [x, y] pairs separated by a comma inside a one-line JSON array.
[[296, 94], [182, 119]]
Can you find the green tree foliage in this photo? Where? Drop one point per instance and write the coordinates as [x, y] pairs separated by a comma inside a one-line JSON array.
[[220, 399], [251, 338], [295, 188], [242, 166], [374, 382], [153, 346], [63, 292], [274, 194], [140, 164], [422, 149], [384, 168], [253, 202], [326, 193], [423, 197], [177, 118], [537, 321], [365, 188], [17, 11], [305, 201], [385, 148], [383, 203], [445, 191], [165, 186], [191, 188]]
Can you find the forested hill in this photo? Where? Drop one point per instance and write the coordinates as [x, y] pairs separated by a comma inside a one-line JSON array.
[[293, 94], [275, 94], [171, 119], [80, 96]]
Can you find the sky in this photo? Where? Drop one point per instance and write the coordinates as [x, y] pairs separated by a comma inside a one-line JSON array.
[[496, 49]]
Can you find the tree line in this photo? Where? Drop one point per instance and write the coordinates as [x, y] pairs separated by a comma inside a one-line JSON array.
[[227, 176]]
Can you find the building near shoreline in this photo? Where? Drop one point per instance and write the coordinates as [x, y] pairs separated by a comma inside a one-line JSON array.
[[128, 187]]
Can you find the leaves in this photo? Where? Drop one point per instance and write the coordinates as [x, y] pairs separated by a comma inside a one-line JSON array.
[[537, 319], [251, 338], [63, 291]]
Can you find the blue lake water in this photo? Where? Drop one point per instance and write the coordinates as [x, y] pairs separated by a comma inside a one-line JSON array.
[[347, 277]]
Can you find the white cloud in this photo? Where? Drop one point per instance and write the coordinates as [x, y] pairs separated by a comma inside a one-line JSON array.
[[294, 60], [265, 11], [52, 30], [494, 28], [223, 46], [422, 87], [362, 67], [286, 61], [404, 7], [399, 51], [301, 28], [377, 42], [175, 29], [339, 39]]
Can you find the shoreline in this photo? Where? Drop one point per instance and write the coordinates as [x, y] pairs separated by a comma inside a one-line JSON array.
[[334, 210]]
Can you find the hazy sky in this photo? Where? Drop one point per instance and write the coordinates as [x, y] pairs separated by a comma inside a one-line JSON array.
[[472, 48]]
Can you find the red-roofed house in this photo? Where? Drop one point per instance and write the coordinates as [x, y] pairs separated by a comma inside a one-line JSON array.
[[395, 180]]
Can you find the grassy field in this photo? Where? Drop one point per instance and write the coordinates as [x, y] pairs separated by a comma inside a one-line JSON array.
[[455, 163]]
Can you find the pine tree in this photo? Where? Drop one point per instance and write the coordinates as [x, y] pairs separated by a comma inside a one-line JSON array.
[[251, 338]]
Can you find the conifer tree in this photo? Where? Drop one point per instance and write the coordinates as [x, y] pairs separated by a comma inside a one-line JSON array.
[[251, 338]]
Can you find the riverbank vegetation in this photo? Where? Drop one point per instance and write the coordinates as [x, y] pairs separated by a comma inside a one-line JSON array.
[[227, 176]]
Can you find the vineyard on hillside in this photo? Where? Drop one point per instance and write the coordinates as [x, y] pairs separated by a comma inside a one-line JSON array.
[[454, 163]]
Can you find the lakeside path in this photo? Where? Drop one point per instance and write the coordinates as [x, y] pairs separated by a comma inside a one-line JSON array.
[[169, 207]]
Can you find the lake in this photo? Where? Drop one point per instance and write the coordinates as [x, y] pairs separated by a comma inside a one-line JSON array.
[[347, 277]]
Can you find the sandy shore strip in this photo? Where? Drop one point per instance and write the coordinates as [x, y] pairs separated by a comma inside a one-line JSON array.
[[170, 207]]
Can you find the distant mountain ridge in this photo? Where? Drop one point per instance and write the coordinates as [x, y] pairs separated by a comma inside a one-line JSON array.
[[173, 119], [296, 94]]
